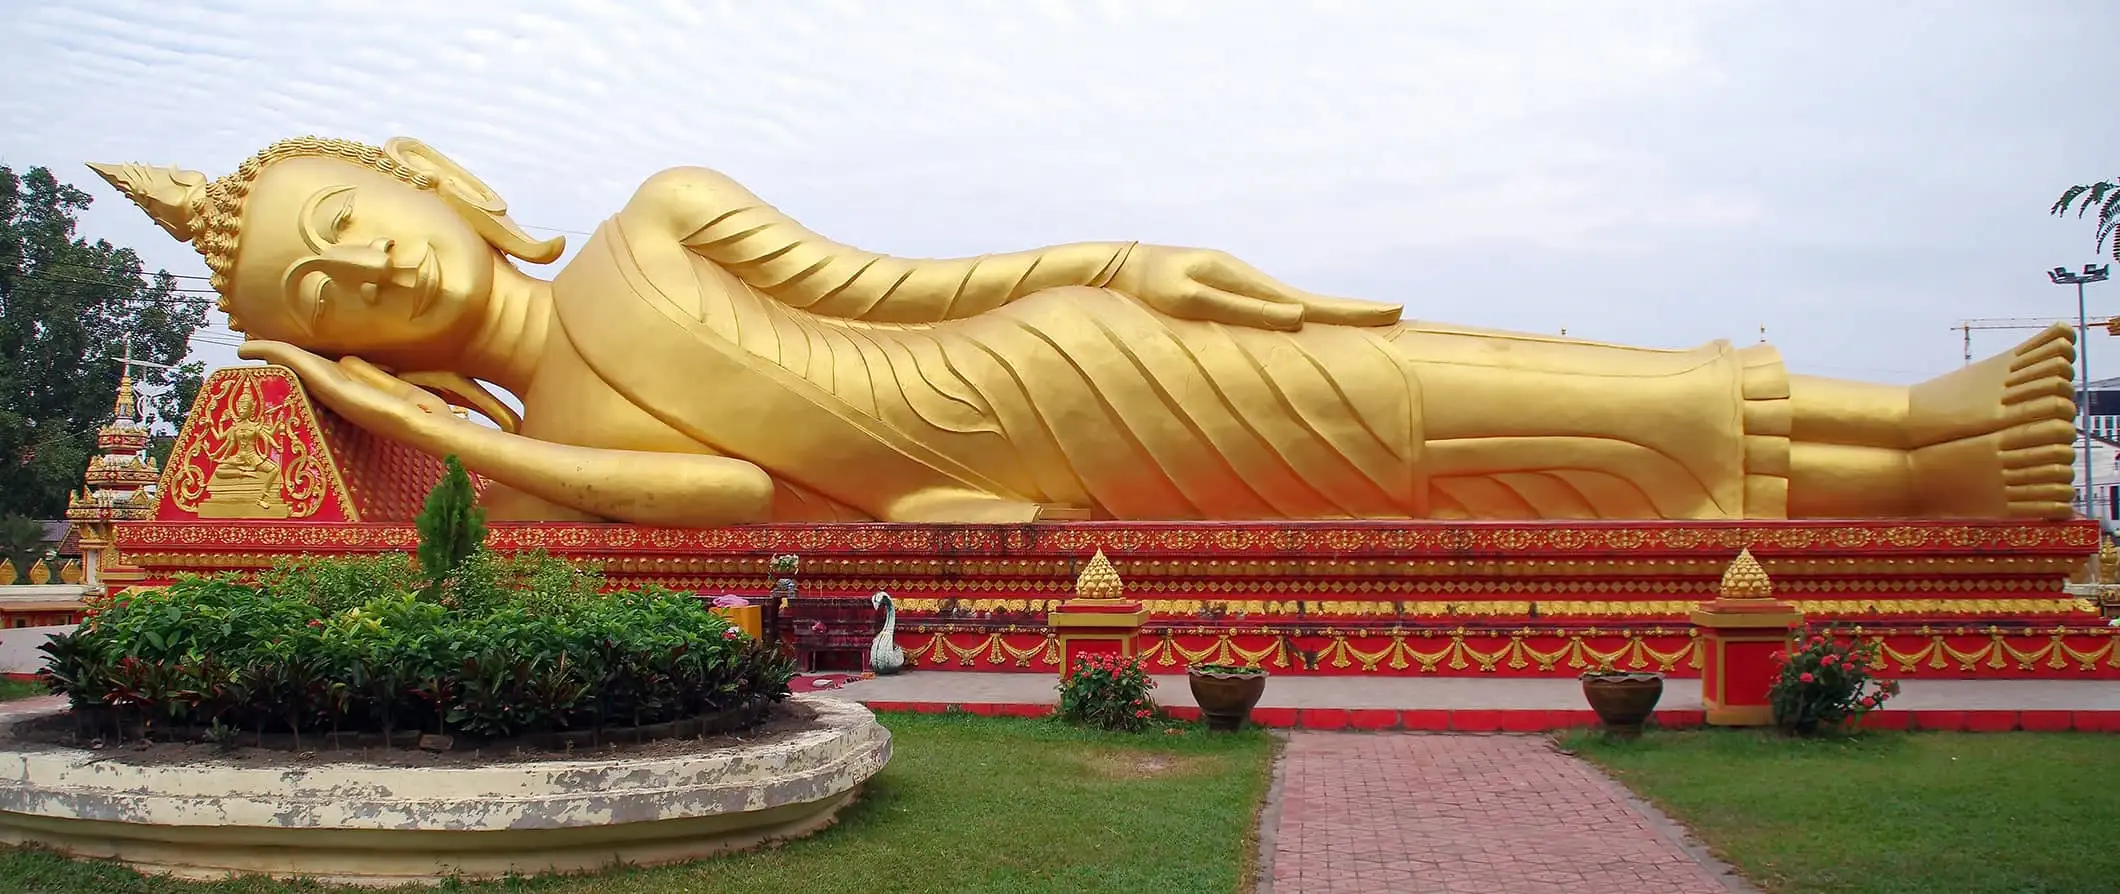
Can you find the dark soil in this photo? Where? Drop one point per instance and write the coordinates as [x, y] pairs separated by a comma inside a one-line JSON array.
[[784, 720]]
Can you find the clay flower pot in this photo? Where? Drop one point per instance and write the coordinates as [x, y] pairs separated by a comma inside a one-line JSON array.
[[1226, 694], [1623, 700]]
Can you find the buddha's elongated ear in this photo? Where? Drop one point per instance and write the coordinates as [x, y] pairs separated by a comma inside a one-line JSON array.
[[476, 201]]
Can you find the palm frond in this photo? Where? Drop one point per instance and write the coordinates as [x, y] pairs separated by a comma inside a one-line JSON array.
[[2068, 198], [2094, 195]]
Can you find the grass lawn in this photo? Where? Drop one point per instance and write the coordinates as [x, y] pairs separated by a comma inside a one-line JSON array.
[[14, 689], [1888, 812], [967, 804]]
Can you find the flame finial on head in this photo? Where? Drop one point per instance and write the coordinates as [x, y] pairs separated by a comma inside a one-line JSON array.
[[173, 197]]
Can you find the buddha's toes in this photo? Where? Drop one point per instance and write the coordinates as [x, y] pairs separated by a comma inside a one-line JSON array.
[[1997, 437]]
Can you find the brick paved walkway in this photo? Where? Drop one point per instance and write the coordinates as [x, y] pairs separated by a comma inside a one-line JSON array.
[[1408, 812]]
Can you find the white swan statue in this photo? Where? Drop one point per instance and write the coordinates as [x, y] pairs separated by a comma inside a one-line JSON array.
[[885, 658]]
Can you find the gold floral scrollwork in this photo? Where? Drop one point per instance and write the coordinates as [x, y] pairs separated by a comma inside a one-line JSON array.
[[251, 460]]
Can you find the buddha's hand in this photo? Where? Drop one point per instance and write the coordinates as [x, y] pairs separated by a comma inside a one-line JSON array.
[[1203, 284], [358, 390]]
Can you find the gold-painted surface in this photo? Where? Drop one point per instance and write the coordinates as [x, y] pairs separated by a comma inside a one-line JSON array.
[[1099, 580], [1113, 380], [7, 572], [1745, 579], [246, 481], [70, 573], [40, 573], [249, 458], [1096, 620]]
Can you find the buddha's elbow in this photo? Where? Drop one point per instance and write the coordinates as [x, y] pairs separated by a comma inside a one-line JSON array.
[[682, 200]]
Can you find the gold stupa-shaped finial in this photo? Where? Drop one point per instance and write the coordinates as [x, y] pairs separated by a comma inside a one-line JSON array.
[[1099, 580], [126, 409], [1746, 579]]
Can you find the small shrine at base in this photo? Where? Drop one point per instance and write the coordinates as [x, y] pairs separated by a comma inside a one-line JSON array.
[[121, 484], [1100, 620], [1741, 630]]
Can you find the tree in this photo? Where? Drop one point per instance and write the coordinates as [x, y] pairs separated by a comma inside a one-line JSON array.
[[2103, 196], [451, 526], [21, 541], [67, 306]]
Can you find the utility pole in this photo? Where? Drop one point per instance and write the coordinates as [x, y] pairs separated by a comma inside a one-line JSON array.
[[2062, 277]]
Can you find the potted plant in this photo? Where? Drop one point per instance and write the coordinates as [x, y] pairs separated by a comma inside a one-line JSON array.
[[1226, 693], [1623, 700]]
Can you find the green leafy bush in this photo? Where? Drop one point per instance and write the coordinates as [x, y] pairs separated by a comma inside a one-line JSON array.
[[510, 645], [1107, 692], [1825, 684]]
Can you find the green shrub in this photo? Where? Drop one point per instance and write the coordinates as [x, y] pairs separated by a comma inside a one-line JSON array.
[[452, 526], [1107, 692], [335, 585], [1824, 684], [511, 645]]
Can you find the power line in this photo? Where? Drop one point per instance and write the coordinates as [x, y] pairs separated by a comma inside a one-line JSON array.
[[88, 269], [118, 284]]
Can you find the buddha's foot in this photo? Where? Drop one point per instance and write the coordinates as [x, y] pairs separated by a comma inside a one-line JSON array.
[[1997, 439]]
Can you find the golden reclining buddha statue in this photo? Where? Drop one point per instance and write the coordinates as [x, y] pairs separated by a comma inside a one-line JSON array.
[[705, 360]]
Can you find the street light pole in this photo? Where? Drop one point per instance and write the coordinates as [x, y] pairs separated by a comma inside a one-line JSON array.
[[2063, 277]]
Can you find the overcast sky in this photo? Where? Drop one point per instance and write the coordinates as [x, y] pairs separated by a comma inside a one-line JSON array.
[[1855, 177]]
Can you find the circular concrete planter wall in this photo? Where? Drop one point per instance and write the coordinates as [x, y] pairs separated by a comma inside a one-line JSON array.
[[377, 825]]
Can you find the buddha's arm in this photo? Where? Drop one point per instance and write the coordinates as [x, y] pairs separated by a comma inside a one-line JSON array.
[[647, 488], [664, 489], [720, 220]]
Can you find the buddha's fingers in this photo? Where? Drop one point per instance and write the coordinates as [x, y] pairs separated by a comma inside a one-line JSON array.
[[383, 381], [307, 366], [1234, 276], [1350, 311], [1223, 272], [1232, 309]]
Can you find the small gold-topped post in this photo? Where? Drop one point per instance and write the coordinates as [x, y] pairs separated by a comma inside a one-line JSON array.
[[1100, 619], [1741, 629]]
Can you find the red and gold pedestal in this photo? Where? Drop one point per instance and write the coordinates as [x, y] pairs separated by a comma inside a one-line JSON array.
[[1740, 632], [1097, 627], [1099, 620]]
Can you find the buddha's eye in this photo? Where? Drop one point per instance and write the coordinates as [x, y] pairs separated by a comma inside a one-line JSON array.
[[326, 216]]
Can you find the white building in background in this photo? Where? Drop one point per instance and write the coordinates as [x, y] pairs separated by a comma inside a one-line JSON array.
[[2103, 422]]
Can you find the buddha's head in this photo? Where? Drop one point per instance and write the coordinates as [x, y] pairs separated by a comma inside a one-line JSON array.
[[388, 252]]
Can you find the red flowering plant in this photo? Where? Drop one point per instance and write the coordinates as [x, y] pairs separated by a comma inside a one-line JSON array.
[[1108, 692], [1825, 683]]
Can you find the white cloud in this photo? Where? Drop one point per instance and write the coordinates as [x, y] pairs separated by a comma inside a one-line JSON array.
[[1598, 150]]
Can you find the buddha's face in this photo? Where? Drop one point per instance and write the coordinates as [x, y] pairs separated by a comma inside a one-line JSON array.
[[338, 258]]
